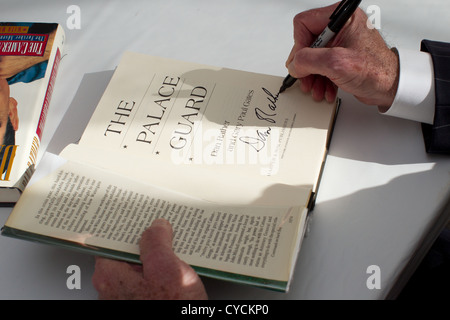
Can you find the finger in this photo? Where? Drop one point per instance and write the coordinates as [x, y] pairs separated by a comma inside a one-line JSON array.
[[306, 62], [167, 275], [318, 90], [156, 239], [306, 83], [307, 26], [333, 63], [291, 56], [156, 247], [330, 91]]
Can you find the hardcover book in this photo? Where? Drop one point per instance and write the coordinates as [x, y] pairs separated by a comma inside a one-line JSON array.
[[230, 162], [29, 58]]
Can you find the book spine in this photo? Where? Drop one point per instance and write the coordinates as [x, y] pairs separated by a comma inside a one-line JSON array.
[[35, 146], [48, 94]]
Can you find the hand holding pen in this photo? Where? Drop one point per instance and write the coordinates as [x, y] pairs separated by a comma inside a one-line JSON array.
[[356, 59]]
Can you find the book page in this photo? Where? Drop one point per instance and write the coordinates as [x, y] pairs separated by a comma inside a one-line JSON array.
[[232, 124], [92, 207], [202, 182]]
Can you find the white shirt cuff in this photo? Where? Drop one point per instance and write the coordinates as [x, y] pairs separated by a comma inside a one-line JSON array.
[[415, 97]]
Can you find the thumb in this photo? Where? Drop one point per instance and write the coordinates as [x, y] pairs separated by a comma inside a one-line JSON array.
[[156, 242], [163, 268]]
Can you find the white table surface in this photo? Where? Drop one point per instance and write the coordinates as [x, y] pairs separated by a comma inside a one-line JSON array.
[[381, 200]]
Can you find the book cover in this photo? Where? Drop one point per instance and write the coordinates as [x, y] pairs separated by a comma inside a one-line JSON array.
[[29, 58]]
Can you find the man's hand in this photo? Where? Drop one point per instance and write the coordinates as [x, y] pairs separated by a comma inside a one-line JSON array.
[[357, 59], [161, 276]]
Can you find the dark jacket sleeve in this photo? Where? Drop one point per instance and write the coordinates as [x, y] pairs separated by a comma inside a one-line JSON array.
[[437, 135]]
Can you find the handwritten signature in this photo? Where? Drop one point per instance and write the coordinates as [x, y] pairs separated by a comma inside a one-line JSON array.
[[259, 142]]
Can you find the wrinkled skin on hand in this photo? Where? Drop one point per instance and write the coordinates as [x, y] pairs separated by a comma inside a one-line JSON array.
[[357, 59], [162, 275]]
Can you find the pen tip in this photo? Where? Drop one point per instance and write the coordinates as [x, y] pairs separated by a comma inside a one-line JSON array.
[[282, 89]]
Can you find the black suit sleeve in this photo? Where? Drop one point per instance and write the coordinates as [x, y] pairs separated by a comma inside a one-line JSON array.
[[437, 135]]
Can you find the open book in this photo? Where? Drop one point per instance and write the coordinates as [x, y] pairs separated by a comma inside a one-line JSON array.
[[232, 164]]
